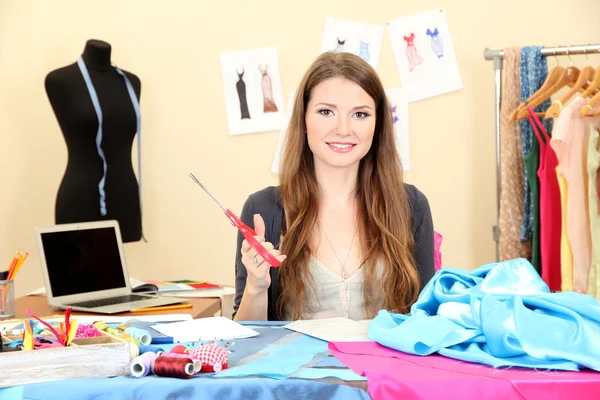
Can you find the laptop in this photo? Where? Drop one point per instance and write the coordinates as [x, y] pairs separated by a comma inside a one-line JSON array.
[[84, 268]]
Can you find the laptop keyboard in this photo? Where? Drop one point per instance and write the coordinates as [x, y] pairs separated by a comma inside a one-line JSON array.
[[109, 301]]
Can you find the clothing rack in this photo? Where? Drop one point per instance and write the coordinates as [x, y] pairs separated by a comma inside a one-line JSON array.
[[496, 56]]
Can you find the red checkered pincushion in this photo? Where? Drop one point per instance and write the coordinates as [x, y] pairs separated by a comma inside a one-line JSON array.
[[214, 357]]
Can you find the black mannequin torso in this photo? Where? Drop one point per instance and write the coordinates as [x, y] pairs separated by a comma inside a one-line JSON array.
[[78, 197]]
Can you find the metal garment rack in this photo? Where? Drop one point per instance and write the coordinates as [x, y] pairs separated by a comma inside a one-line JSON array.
[[496, 56]]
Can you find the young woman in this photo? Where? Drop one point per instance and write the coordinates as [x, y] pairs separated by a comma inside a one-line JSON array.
[[353, 238]]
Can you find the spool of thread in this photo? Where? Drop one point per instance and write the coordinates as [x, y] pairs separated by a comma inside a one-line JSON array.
[[154, 349], [134, 351], [173, 367], [179, 349], [127, 337], [197, 363], [142, 365], [143, 336], [103, 327]]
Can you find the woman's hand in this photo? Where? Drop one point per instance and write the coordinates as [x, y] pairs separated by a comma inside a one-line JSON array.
[[258, 280]]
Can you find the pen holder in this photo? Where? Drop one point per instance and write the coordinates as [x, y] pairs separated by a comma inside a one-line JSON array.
[[7, 299]]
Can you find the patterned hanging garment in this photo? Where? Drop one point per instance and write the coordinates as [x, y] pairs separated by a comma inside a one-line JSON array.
[[511, 163]]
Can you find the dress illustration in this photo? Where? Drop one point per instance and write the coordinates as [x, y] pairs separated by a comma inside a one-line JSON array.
[[437, 45], [241, 89], [340, 45], [265, 82], [414, 58], [364, 51]]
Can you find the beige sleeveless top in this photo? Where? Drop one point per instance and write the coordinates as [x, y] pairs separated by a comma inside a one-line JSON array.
[[335, 297]]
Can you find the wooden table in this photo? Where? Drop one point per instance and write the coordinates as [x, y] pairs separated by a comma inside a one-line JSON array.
[[201, 308]]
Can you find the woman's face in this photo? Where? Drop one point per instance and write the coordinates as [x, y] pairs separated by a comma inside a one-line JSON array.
[[340, 122]]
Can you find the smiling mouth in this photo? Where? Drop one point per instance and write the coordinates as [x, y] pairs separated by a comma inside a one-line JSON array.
[[341, 147]]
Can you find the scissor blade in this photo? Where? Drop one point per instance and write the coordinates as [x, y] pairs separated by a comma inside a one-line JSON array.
[[206, 190]]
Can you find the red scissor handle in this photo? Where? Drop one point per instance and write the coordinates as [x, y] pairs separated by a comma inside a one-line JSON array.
[[249, 235]]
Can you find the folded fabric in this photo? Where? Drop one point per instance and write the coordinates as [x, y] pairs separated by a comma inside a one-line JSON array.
[[501, 314], [393, 374]]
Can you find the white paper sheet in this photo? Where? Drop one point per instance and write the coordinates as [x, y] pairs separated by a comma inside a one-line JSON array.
[[363, 40], [214, 328], [333, 329], [397, 97], [252, 86], [276, 165], [424, 55]]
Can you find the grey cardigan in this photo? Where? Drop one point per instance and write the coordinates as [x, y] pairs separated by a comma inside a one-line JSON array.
[[266, 203]]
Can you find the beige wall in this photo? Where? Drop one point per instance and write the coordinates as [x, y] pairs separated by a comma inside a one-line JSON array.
[[174, 48]]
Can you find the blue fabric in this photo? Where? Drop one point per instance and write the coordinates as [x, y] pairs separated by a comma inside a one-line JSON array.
[[152, 387], [534, 70], [501, 314], [273, 354], [279, 361]]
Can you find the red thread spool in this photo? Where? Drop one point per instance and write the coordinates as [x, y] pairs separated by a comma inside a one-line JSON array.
[[197, 363], [179, 349], [173, 367]]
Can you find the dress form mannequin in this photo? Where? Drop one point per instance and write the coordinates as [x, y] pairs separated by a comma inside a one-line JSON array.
[[80, 194]]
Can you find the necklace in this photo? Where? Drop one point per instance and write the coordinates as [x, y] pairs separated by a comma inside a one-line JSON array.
[[343, 265]]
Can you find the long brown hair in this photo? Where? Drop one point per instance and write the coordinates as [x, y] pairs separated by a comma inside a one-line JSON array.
[[383, 213]]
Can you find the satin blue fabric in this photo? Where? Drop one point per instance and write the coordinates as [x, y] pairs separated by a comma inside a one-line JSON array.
[[501, 314]]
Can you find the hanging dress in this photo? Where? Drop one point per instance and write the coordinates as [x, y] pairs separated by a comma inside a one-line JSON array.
[[594, 209], [241, 90], [414, 59], [570, 141], [534, 70], [511, 164], [268, 103], [550, 207]]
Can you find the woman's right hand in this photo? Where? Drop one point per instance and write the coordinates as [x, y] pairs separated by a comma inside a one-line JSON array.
[[258, 279]]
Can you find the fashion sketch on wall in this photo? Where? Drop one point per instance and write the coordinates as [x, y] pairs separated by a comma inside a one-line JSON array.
[[424, 55], [241, 90], [437, 45], [399, 104], [252, 88], [361, 39]]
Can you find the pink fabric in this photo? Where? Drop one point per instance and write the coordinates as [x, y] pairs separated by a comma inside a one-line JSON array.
[[395, 375], [438, 254]]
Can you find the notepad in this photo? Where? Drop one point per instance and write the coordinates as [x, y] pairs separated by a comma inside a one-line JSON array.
[[333, 329], [213, 328]]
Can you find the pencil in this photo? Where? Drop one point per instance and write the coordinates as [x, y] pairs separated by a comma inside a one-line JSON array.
[[160, 308]]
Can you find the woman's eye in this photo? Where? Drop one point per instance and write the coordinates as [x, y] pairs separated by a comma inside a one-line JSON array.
[[361, 114], [325, 112]]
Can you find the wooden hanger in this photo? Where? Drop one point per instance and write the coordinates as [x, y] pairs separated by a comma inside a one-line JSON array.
[[594, 86], [582, 83], [552, 78], [568, 78]]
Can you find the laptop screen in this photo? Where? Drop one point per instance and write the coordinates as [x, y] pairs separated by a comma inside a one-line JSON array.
[[82, 261]]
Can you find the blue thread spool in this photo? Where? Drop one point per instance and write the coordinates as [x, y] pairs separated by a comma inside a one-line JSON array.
[[149, 348], [143, 336]]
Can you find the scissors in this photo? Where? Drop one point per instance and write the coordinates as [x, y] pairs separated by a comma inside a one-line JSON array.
[[245, 229]]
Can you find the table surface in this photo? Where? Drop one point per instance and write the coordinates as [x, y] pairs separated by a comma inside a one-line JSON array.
[[201, 308]]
